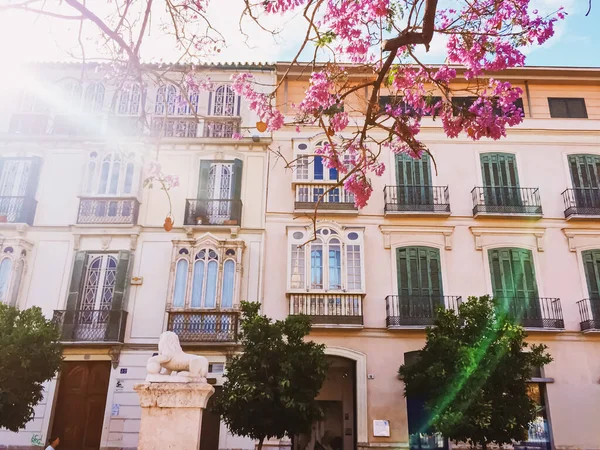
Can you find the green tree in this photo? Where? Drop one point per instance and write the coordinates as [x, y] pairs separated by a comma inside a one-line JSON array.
[[30, 354], [271, 387], [473, 374]]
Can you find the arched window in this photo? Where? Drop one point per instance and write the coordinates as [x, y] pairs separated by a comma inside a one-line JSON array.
[[332, 258], [129, 100], [94, 98], [71, 94], [113, 175], [228, 284], [14, 294], [99, 283], [210, 298], [166, 97], [212, 284], [224, 101], [5, 269], [181, 274]]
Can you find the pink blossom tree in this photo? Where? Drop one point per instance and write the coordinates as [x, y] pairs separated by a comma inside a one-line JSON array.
[[381, 38]]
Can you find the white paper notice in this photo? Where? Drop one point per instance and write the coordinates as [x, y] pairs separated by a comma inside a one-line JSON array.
[[381, 428]]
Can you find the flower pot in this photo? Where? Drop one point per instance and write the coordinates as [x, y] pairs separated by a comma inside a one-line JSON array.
[[230, 222], [3, 219], [199, 221], [168, 225]]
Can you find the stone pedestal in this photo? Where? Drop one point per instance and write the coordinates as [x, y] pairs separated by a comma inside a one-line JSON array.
[[172, 415]]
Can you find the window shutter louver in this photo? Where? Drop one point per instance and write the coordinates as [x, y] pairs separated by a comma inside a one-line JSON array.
[[203, 179]]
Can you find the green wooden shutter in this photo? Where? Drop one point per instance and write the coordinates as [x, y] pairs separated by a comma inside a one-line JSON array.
[[116, 318], [79, 265], [237, 179], [414, 180], [591, 258], [236, 191], [514, 283], [591, 262], [203, 179], [585, 174], [419, 280], [28, 208], [500, 179]]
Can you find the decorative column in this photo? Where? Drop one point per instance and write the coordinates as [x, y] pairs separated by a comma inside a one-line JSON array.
[[172, 414]]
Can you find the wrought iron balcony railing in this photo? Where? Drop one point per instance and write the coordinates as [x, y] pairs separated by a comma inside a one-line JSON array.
[[533, 311], [581, 202], [503, 201], [328, 309], [213, 211], [186, 127], [327, 197], [204, 326], [417, 199], [221, 127], [91, 325], [28, 123], [100, 210], [589, 314], [416, 310], [17, 209]]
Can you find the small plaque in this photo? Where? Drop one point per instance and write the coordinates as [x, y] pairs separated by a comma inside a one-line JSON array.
[[115, 410], [119, 386], [381, 428], [123, 370]]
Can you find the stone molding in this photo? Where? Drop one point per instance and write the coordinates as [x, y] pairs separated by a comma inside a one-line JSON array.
[[174, 395]]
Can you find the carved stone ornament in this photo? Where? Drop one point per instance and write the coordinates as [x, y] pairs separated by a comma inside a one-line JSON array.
[[173, 365]]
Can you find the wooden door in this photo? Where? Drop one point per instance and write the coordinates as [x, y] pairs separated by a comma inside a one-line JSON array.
[[80, 406], [211, 424]]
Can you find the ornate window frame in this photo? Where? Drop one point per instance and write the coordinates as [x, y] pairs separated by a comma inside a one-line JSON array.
[[189, 253], [112, 174], [301, 241], [13, 252]]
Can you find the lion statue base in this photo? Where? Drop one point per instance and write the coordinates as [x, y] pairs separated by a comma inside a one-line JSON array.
[[173, 365]]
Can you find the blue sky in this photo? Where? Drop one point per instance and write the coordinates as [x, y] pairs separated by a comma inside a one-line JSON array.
[[28, 38]]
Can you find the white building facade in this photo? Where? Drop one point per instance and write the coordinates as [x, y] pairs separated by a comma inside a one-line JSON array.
[[85, 241]]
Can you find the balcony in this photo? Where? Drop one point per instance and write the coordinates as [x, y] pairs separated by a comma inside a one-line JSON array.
[[417, 200], [582, 203], [329, 310], [416, 311], [204, 326], [91, 325], [31, 124], [108, 211], [175, 127], [589, 314], [17, 209], [325, 197], [213, 212], [506, 201], [534, 312], [221, 127]]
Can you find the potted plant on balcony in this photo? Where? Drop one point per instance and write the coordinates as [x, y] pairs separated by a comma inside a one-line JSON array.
[[199, 220], [3, 219], [230, 222]]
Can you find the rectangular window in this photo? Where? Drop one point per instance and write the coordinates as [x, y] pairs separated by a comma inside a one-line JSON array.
[[298, 266], [302, 167], [354, 270], [573, 108], [316, 266]]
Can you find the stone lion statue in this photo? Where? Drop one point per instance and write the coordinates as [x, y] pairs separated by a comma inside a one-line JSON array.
[[172, 364]]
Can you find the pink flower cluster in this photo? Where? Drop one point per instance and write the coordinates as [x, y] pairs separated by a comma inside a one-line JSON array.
[[259, 102], [154, 174], [319, 101], [281, 6]]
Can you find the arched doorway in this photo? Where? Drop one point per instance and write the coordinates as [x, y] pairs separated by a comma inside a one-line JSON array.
[[338, 428]]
